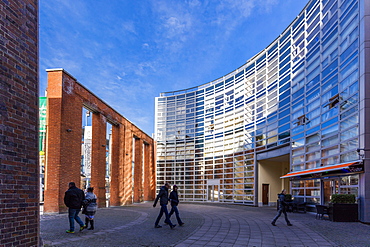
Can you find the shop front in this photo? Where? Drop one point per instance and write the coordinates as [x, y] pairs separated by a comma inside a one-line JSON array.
[[316, 186]]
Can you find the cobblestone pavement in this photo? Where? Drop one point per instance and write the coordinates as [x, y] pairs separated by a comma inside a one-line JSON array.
[[205, 225]]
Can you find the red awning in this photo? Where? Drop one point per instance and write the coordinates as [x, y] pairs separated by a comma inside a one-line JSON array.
[[318, 170]]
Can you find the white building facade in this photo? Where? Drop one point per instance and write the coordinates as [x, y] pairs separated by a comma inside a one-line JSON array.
[[294, 116]]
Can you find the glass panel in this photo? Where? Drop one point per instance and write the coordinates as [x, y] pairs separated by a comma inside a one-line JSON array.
[[348, 145], [329, 141], [313, 192], [313, 122], [312, 156], [299, 167], [313, 147], [297, 183], [330, 151], [313, 164], [349, 156], [329, 131], [349, 122], [349, 180], [350, 190], [297, 159], [330, 161], [298, 151], [350, 133], [298, 143], [298, 192], [312, 138], [313, 183]]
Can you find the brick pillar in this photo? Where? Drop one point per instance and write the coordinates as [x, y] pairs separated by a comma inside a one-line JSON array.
[[115, 167], [138, 171], [148, 173], [127, 168], [122, 179], [63, 147], [152, 172], [98, 157]]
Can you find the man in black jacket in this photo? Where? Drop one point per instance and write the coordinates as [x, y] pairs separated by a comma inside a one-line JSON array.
[[73, 200], [163, 201], [282, 209], [174, 198]]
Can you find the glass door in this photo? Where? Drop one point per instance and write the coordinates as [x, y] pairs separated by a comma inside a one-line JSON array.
[[212, 192], [330, 187]]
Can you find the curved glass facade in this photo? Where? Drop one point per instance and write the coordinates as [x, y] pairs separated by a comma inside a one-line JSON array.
[[293, 107]]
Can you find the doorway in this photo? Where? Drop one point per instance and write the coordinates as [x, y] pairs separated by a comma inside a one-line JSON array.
[[265, 194], [213, 193], [330, 186]]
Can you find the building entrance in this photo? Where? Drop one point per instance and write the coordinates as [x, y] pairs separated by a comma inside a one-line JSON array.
[[330, 186], [265, 194], [213, 193]]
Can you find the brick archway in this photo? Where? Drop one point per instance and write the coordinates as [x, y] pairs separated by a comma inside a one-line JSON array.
[[66, 97]]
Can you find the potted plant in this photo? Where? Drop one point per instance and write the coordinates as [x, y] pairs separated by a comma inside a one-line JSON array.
[[343, 208]]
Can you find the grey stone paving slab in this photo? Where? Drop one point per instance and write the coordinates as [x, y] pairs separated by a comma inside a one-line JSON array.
[[205, 225]]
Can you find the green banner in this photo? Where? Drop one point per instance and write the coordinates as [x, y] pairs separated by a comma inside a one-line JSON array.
[[42, 124], [42, 112]]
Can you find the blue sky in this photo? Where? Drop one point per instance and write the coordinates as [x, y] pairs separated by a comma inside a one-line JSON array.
[[128, 52]]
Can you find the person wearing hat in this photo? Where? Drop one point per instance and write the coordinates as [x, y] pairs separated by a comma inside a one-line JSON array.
[[174, 198]]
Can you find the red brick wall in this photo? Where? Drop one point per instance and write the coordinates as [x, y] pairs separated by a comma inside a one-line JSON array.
[[66, 98], [98, 157], [19, 168]]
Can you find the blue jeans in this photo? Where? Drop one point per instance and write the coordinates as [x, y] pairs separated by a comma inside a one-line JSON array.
[[73, 215], [175, 210], [165, 211], [281, 210]]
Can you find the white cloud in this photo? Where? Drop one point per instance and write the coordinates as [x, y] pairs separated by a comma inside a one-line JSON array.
[[129, 27]]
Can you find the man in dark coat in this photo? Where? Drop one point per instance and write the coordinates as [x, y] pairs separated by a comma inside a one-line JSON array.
[[174, 198], [282, 209], [163, 201], [73, 200]]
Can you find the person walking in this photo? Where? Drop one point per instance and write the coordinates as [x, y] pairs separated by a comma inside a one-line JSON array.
[[282, 209], [163, 201], [73, 199], [90, 207], [174, 198]]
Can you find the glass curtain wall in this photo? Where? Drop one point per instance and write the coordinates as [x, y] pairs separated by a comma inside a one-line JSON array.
[[301, 91]]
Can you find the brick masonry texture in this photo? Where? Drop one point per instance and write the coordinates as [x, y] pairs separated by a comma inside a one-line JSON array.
[[66, 98], [19, 169]]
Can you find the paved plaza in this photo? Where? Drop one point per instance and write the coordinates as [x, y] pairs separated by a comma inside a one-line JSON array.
[[205, 225]]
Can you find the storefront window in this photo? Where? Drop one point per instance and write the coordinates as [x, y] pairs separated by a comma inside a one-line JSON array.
[[298, 183], [298, 192], [313, 200], [349, 180], [313, 192], [349, 184], [351, 190], [313, 183]]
